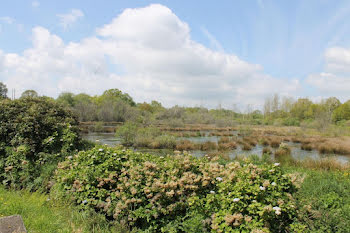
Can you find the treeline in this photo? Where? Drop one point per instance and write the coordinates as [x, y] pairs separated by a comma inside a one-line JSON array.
[[288, 111], [115, 106]]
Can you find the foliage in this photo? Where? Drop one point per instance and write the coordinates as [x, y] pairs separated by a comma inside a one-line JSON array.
[[34, 132], [116, 94], [178, 193], [29, 93], [342, 112], [324, 202], [3, 91], [127, 133]]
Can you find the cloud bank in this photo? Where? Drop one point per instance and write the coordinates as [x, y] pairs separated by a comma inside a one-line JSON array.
[[147, 52]]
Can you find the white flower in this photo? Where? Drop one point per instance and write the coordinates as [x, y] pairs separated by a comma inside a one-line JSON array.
[[114, 153], [277, 210], [218, 178], [85, 201], [100, 149], [273, 183], [70, 157], [212, 192], [276, 164], [236, 199], [262, 188], [162, 157]]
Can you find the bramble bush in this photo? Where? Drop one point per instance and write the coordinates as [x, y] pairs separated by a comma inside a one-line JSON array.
[[179, 193], [35, 133]]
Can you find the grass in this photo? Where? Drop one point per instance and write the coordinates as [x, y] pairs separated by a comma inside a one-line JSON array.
[[325, 201], [41, 215]]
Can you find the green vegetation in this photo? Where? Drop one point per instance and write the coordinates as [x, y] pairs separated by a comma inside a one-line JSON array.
[[324, 200], [178, 193], [88, 188], [35, 134], [43, 214]]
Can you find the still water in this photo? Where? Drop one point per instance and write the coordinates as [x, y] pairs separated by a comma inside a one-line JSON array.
[[297, 153]]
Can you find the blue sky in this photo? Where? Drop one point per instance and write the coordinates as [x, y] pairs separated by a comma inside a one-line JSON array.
[[303, 42]]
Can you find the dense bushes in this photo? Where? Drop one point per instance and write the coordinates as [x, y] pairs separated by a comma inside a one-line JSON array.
[[178, 193], [34, 133]]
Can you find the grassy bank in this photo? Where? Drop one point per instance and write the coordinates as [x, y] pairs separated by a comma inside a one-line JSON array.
[[43, 214]]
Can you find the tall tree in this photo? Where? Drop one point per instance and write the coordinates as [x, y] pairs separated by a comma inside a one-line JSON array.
[[3, 90], [29, 93]]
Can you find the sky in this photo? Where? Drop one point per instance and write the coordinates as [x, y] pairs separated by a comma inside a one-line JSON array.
[[185, 52]]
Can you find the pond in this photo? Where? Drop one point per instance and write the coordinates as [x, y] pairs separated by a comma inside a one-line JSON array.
[[296, 151]]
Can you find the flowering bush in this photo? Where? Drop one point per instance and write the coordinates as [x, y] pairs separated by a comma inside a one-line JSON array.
[[178, 193]]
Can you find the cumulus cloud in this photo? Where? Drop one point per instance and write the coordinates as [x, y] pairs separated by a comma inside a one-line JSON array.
[[67, 20], [335, 80], [147, 52]]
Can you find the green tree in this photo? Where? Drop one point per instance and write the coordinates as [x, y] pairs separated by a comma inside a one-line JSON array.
[[29, 93], [85, 107], [66, 98], [116, 94], [35, 132], [3, 90], [302, 109], [342, 112]]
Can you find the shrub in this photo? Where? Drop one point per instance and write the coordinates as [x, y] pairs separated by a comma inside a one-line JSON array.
[[34, 133], [185, 145], [267, 150], [306, 146], [145, 137], [127, 133], [178, 193], [246, 146], [165, 142], [275, 142], [227, 146], [98, 127], [207, 146], [283, 150]]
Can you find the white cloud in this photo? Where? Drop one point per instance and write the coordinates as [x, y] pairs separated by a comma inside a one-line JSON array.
[[35, 4], [338, 60], [335, 80], [147, 52], [67, 20]]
